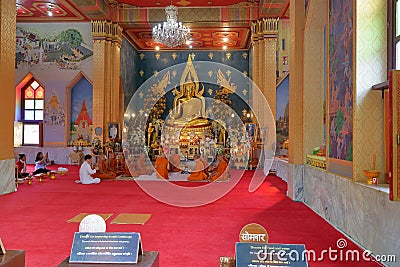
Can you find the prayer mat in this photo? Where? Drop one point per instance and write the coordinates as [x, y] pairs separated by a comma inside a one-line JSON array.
[[78, 218], [130, 218]]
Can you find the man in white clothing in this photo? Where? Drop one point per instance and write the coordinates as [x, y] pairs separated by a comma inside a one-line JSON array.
[[86, 170]]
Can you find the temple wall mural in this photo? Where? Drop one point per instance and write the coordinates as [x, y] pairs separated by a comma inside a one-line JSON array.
[[53, 53], [142, 65], [282, 113], [340, 124]]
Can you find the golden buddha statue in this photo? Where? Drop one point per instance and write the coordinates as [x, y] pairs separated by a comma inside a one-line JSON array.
[[189, 104]]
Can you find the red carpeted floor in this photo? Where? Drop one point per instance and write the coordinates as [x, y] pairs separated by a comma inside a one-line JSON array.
[[34, 219]]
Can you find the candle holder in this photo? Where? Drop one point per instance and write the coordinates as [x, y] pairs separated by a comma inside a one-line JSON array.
[[372, 176]]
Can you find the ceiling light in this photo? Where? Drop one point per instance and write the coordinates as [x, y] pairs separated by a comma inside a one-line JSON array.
[[224, 47], [225, 39], [50, 7], [171, 33], [157, 48]]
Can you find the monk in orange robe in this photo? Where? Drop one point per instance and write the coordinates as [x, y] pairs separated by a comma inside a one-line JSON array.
[[174, 162], [220, 172], [113, 163], [205, 163], [161, 166], [140, 166], [198, 173], [103, 172]]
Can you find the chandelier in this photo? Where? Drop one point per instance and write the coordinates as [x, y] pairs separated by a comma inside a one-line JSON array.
[[171, 33]]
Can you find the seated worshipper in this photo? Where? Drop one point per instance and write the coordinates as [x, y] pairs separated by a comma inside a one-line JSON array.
[[205, 163], [174, 161], [104, 172], [21, 164], [198, 173], [86, 171], [220, 172], [122, 169], [140, 166], [41, 162], [161, 166]]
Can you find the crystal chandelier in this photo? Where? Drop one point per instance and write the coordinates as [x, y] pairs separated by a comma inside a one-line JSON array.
[[171, 33]]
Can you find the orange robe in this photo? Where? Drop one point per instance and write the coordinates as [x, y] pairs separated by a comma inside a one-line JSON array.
[[161, 166], [175, 160], [114, 167], [198, 174], [140, 167], [219, 172], [103, 172]]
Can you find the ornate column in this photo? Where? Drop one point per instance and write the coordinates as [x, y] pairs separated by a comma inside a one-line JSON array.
[[107, 38], [296, 101], [264, 38], [7, 100]]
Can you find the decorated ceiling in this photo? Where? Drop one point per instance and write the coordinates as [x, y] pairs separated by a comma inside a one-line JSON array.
[[213, 24]]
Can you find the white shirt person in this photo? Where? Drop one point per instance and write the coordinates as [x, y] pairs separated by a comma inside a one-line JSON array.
[[86, 170]]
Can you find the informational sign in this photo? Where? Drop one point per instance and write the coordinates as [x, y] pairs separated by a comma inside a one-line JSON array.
[[263, 255], [253, 233], [124, 247]]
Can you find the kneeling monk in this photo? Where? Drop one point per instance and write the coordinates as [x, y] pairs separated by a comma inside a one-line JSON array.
[[198, 173], [220, 172], [161, 166]]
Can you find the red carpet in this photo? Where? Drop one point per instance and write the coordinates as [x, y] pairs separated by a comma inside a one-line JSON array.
[[34, 219]]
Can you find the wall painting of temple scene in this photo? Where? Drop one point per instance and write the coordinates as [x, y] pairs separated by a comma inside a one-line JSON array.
[[81, 113], [282, 116], [54, 112], [49, 45], [340, 97]]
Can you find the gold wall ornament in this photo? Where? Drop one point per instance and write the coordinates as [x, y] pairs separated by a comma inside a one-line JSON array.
[[155, 72], [210, 73], [106, 30], [222, 81], [174, 73], [264, 28], [141, 56], [211, 55], [141, 95], [228, 72], [244, 91], [157, 55], [245, 73], [141, 72], [210, 91], [244, 55], [174, 55], [228, 55]]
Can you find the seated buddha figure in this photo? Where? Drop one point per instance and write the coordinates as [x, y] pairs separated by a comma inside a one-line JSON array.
[[189, 106]]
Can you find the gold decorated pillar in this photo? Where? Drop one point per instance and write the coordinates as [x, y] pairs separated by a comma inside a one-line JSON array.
[[264, 38], [107, 38], [296, 94], [7, 100]]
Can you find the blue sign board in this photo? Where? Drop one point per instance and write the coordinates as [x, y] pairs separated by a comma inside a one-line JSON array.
[[123, 247], [265, 255]]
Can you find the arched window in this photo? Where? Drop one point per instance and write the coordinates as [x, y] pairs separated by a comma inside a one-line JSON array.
[[32, 106]]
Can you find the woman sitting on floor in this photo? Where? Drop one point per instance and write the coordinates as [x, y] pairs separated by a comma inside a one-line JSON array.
[[21, 165], [41, 162]]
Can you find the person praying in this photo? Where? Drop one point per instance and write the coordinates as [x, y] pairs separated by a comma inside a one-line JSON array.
[[86, 171], [161, 166], [21, 165], [41, 162]]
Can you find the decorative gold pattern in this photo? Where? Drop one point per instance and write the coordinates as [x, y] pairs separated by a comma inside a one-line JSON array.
[[210, 73], [155, 73], [7, 74], [141, 56], [244, 91], [228, 72], [245, 73], [174, 55], [368, 136], [174, 73], [314, 75], [210, 91], [228, 55], [141, 72], [211, 55], [157, 55], [244, 55]]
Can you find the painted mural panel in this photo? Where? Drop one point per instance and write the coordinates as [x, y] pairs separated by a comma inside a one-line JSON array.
[[81, 111], [282, 113], [341, 80], [53, 53]]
